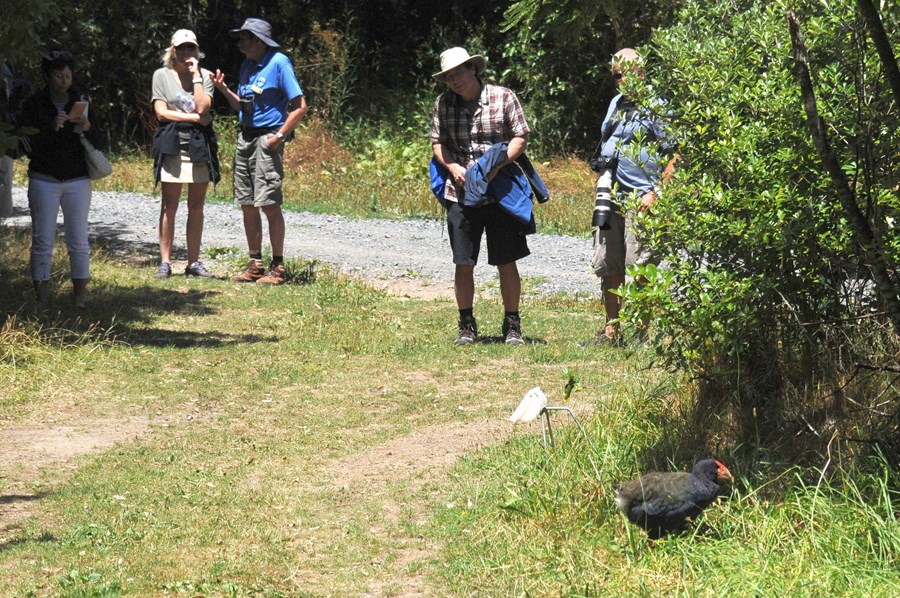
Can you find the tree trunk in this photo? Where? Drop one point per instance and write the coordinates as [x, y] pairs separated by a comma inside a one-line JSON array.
[[862, 231], [882, 45]]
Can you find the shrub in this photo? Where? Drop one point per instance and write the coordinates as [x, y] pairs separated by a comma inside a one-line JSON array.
[[766, 295]]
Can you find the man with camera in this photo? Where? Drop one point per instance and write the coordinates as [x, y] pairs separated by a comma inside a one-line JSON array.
[[628, 161]]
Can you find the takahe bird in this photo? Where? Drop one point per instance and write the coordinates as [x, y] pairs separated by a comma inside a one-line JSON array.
[[662, 502]]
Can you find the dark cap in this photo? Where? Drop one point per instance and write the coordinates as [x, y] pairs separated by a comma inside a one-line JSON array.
[[260, 29]]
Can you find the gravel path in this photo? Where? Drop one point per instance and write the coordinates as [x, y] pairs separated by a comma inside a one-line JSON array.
[[408, 256]]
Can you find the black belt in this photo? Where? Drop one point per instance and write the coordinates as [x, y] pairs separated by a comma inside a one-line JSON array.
[[254, 132]]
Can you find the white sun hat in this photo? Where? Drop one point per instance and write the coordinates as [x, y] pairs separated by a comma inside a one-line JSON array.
[[452, 58]]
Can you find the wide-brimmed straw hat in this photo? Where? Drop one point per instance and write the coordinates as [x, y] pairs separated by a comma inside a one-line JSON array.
[[260, 29], [452, 58], [184, 36]]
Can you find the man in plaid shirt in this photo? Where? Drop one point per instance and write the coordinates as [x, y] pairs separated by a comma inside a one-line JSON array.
[[468, 119]]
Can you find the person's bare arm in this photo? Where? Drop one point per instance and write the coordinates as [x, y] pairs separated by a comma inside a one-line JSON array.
[[165, 114], [296, 111], [218, 79], [516, 148], [202, 102], [649, 198]]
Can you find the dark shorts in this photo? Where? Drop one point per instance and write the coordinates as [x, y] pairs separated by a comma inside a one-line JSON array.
[[506, 241]]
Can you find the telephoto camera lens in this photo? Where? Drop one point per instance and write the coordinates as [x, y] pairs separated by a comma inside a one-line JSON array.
[[603, 201]]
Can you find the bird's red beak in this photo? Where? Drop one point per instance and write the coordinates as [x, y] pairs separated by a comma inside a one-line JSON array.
[[723, 472]]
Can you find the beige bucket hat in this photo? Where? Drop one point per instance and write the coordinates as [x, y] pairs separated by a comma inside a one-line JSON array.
[[452, 58]]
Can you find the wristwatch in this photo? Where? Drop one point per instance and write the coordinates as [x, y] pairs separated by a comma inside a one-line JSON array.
[[279, 135]]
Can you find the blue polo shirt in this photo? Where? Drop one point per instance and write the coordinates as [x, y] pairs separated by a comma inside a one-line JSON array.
[[636, 171], [273, 84]]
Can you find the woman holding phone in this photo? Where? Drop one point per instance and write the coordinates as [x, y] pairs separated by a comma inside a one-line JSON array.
[[185, 149], [58, 175]]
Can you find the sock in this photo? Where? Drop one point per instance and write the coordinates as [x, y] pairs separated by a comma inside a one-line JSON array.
[[512, 314], [255, 256], [277, 260], [466, 313]]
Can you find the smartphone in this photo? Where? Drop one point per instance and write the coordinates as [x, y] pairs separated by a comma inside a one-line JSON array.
[[78, 108]]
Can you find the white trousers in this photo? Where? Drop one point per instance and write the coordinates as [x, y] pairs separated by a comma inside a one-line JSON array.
[[45, 199]]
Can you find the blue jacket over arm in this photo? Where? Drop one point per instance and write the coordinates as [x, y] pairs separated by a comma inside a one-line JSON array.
[[513, 186]]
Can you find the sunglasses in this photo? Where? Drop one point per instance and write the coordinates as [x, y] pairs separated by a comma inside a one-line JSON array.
[[59, 55]]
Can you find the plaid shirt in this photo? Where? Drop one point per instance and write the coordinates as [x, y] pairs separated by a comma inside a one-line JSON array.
[[498, 117]]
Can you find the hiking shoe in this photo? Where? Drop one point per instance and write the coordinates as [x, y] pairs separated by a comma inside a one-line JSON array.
[[164, 270], [468, 332], [512, 331], [197, 269], [253, 272], [275, 275]]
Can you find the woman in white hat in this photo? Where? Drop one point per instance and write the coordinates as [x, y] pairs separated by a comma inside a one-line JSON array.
[[184, 146], [469, 118]]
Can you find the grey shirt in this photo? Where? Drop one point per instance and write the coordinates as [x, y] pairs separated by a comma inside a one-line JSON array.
[[167, 87]]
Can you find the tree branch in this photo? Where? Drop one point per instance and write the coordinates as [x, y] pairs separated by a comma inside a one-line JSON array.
[[878, 368], [882, 45]]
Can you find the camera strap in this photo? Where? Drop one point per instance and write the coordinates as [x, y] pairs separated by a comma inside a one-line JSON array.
[[613, 125]]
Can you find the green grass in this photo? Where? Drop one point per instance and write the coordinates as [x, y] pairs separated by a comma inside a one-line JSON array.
[[544, 525], [252, 394], [273, 461]]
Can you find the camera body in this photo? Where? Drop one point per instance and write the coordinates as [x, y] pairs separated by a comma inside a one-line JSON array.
[[600, 163], [247, 107], [603, 206]]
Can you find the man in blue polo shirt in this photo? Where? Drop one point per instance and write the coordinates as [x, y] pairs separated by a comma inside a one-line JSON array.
[[271, 105], [634, 141]]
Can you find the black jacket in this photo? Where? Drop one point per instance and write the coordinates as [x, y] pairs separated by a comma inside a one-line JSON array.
[[203, 146], [56, 153]]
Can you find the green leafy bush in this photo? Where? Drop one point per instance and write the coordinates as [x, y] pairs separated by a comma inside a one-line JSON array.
[[765, 288]]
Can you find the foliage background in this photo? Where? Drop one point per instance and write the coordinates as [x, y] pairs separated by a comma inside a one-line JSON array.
[[349, 58]]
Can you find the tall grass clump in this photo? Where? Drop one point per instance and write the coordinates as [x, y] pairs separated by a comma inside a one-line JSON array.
[[526, 522]]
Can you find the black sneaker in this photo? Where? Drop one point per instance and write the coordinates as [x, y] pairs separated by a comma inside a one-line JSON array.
[[468, 332], [512, 331], [164, 270], [197, 269]]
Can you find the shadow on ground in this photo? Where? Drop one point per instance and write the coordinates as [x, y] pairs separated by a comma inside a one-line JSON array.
[[115, 313], [13, 512]]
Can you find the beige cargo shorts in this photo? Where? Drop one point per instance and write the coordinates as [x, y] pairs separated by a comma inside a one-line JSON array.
[[258, 171], [619, 247]]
